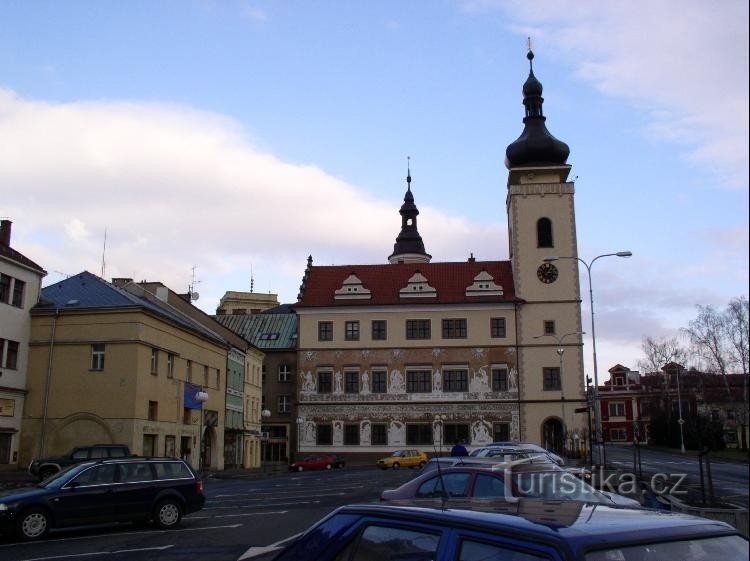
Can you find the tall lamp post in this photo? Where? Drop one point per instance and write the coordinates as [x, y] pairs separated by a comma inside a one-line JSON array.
[[680, 421], [597, 405], [300, 424], [201, 397], [560, 351]]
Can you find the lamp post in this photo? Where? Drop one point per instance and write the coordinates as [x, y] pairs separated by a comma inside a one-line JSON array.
[[201, 397], [264, 413], [597, 411], [300, 423], [680, 421], [560, 351]]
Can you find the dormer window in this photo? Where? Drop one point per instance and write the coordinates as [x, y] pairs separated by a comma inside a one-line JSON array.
[[418, 286], [484, 285], [352, 289]]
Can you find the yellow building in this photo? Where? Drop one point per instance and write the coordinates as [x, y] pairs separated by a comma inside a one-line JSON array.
[[111, 364]]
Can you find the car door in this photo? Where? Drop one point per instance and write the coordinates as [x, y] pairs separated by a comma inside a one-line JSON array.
[[479, 546], [135, 491], [86, 498]]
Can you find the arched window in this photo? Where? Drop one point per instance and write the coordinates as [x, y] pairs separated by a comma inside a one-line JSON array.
[[544, 232]]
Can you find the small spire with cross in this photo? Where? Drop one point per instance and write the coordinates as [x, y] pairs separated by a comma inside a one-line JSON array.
[[408, 173]]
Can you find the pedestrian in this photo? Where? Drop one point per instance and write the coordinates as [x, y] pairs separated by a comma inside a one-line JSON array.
[[459, 449]]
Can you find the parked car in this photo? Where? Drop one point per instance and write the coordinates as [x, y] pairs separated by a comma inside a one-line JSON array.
[[44, 467], [111, 490], [320, 461], [530, 446], [495, 462], [338, 461], [507, 482], [410, 458], [529, 530]]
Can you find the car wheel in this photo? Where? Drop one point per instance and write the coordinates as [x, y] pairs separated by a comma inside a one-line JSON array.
[[33, 524], [44, 473], [396, 465], [328, 466], [300, 468], [167, 514]]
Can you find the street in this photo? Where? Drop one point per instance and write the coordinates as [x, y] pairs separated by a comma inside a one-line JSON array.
[[239, 513]]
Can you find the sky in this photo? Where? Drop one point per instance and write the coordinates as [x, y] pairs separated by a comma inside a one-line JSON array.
[[217, 142]]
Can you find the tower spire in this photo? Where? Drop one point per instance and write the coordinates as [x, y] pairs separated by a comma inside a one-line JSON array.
[[409, 247]]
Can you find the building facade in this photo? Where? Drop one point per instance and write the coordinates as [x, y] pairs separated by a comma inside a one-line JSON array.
[[20, 286], [414, 353]]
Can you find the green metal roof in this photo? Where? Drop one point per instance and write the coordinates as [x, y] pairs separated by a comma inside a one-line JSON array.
[[265, 331]]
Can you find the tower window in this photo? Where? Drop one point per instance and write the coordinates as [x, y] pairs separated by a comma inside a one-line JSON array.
[[544, 232]]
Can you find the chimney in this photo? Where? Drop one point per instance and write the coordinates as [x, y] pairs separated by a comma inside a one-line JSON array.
[[5, 232]]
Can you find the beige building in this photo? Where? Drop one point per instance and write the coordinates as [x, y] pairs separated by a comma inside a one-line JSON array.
[[111, 364], [240, 303], [414, 353], [20, 285]]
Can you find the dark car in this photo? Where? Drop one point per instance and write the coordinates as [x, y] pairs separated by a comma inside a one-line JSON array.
[[548, 482], [44, 467], [320, 461], [104, 491], [529, 530]]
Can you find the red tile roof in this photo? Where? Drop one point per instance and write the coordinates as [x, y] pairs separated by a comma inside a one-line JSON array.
[[385, 281], [13, 255]]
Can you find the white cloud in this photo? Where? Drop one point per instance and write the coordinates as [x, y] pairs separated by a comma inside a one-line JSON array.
[[177, 188], [688, 57]]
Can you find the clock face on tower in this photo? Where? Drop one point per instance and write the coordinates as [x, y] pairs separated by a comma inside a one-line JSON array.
[[547, 273]]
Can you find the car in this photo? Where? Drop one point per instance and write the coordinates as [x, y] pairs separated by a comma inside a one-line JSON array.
[[444, 462], [530, 530], [506, 482], [44, 467], [339, 461], [320, 461], [530, 446], [161, 490], [410, 458]]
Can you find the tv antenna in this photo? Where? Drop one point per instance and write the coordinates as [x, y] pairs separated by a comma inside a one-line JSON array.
[[252, 279], [191, 289], [104, 252]]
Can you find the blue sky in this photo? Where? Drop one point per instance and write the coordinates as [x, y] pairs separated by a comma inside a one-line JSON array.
[[248, 134]]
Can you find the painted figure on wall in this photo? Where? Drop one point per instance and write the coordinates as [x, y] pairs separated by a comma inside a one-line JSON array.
[[337, 385], [308, 382], [365, 383], [397, 382], [480, 433], [479, 381], [364, 432], [437, 381], [396, 436]]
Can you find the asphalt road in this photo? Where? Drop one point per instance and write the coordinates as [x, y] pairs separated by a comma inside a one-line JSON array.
[[239, 513], [731, 479]]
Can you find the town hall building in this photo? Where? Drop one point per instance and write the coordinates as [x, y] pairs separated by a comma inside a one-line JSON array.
[[417, 353]]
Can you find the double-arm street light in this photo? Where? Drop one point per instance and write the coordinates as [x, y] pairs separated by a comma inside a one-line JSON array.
[[597, 411], [560, 352]]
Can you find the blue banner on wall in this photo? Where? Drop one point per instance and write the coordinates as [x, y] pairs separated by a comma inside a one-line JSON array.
[[189, 396]]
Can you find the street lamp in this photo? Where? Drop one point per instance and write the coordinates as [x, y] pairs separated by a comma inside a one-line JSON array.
[[201, 397], [264, 413], [681, 421], [300, 422], [560, 351], [597, 405]]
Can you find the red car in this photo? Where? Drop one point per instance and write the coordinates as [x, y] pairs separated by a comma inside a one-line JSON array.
[[323, 461]]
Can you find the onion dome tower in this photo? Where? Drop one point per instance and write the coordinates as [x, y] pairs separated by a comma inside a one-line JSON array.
[[409, 247], [536, 146]]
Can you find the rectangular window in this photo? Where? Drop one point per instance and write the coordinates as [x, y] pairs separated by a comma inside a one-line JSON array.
[[549, 327], [551, 378], [170, 365], [418, 381], [731, 415], [497, 327], [379, 330], [501, 432], [325, 331], [218, 378], [4, 288], [11, 355], [454, 329], [351, 435], [351, 330], [455, 380], [419, 433], [285, 373], [351, 382], [97, 356], [618, 434], [187, 416], [499, 379], [189, 371], [284, 404], [154, 361], [205, 375], [324, 435], [153, 410], [418, 329], [379, 434], [379, 383], [617, 409], [324, 382], [453, 433], [18, 289]]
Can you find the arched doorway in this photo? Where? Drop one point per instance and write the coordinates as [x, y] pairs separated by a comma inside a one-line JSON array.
[[553, 435]]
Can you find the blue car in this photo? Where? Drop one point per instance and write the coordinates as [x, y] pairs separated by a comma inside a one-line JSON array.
[[529, 530], [104, 491]]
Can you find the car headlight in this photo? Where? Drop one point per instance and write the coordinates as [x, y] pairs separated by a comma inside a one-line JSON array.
[[3, 507]]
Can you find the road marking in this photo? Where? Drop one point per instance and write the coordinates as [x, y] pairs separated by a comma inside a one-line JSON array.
[[275, 504], [275, 493], [265, 499], [240, 514], [70, 555]]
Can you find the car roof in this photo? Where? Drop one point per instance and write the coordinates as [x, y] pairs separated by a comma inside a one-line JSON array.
[[581, 525]]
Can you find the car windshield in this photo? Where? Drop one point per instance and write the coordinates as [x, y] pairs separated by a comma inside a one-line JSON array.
[[555, 485], [61, 477], [708, 549], [398, 454]]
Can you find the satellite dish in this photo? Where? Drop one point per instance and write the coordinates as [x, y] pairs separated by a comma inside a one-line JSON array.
[[194, 295]]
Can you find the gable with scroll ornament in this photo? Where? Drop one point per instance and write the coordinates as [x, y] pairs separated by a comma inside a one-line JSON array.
[[418, 287], [484, 285], [352, 289]]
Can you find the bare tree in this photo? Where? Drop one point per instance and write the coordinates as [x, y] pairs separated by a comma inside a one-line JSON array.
[[706, 333], [661, 351], [736, 332]]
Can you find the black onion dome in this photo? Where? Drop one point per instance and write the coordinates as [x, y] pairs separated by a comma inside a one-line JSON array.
[[409, 241], [535, 146]]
